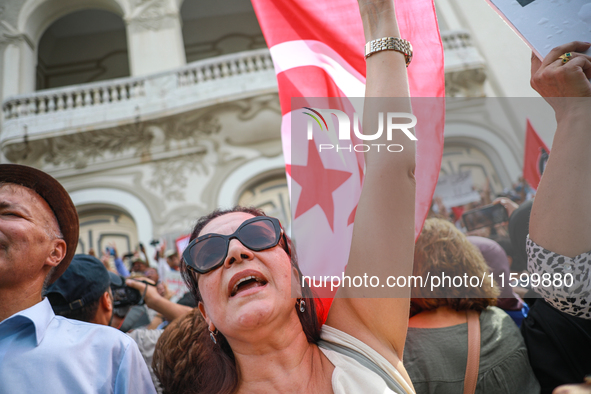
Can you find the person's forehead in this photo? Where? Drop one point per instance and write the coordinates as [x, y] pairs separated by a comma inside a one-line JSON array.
[[18, 195], [226, 224]]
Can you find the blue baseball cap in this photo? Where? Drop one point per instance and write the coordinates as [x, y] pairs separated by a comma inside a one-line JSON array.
[[84, 282]]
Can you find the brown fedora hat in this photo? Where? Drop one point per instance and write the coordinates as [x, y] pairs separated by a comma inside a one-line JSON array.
[[58, 200]]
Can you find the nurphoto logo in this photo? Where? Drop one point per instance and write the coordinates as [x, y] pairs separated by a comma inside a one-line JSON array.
[[344, 130]]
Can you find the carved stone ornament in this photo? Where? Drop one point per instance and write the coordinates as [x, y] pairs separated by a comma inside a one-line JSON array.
[[152, 15], [80, 148], [10, 35], [170, 177], [175, 149], [139, 140], [465, 83], [251, 107]]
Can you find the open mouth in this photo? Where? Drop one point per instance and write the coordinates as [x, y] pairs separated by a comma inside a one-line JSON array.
[[247, 283]]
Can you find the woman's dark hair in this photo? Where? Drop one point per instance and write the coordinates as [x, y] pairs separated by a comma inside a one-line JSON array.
[[216, 367]]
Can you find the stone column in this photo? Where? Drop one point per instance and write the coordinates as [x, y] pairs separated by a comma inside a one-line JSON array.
[[18, 63], [154, 36]]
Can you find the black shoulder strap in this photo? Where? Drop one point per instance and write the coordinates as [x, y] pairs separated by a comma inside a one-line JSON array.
[[366, 362]]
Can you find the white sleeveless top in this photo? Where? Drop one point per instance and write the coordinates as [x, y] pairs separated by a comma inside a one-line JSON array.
[[349, 376]]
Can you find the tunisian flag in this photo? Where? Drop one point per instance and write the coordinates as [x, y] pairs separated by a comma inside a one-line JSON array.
[[317, 51], [535, 157]]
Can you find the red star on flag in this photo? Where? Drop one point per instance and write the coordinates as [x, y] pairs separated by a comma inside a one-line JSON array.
[[318, 183]]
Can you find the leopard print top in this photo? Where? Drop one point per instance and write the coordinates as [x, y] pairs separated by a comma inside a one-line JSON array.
[[574, 299]]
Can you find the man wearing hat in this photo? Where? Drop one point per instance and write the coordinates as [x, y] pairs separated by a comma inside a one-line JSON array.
[[173, 279], [173, 260], [39, 352]]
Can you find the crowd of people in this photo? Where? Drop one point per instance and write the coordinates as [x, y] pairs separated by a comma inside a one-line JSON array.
[[221, 318]]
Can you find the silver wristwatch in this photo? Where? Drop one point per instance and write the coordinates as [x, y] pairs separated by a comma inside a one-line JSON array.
[[390, 43]]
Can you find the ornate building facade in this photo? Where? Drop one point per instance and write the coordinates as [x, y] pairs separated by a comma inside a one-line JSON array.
[[154, 112]]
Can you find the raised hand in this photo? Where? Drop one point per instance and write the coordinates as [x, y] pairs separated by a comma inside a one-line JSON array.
[[552, 77]]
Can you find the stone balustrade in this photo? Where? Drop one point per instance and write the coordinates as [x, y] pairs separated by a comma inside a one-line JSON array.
[[73, 97], [465, 71], [459, 51], [72, 109], [455, 39], [128, 89], [225, 66]]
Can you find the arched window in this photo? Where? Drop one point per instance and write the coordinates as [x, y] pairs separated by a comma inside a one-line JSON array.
[[84, 46], [213, 28], [271, 195], [102, 227]]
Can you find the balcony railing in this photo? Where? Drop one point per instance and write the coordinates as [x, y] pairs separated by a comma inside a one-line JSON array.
[[225, 66], [465, 70], [125, 90], [455, 39], [79, 96], [460, 54], [72, 109]]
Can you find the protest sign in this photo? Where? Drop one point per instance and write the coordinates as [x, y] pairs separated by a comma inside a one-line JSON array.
[[545, 24], [456, 189]]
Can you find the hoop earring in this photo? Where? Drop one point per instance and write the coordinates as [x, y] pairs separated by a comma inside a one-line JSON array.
[[302, 304], [212, 335]]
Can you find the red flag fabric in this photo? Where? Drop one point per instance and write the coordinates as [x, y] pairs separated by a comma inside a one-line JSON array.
[[535, 157], [457, 211], [317, 51]]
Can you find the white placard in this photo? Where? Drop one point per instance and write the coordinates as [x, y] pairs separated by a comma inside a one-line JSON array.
[[181, 244], [545, 24], [456, 189]]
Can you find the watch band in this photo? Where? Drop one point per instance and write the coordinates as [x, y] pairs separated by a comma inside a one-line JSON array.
[[390, 43]]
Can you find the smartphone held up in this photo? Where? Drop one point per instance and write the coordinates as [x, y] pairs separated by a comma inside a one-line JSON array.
[[486, 216]]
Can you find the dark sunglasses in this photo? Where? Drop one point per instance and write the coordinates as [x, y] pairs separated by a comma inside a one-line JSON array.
[[208, 252]]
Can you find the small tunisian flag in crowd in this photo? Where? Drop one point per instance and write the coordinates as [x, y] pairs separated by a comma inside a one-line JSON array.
[[535, 157], [317, 51]]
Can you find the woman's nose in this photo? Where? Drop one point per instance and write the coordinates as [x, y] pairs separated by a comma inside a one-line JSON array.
[[237, 253]]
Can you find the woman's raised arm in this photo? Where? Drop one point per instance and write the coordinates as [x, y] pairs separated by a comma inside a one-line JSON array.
[[383, 236], [561, 213]]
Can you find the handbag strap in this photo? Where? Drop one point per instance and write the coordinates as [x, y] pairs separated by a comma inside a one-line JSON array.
[[471, 377]]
